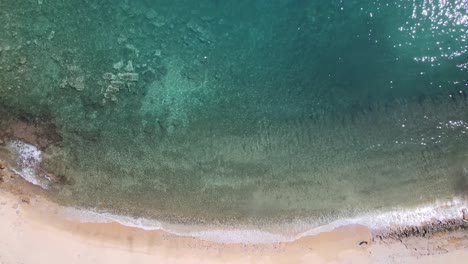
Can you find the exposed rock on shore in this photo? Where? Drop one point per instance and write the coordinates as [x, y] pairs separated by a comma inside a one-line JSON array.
[[426, 229], [36, 132]]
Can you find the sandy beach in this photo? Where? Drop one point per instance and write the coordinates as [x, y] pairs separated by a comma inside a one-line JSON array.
[[32, 231]]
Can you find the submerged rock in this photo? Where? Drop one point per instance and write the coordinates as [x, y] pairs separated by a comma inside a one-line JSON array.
[[77, 83], [111, 89], [75, 80], [132, 51], [202, 34], [109, 76], [151, 14], [149, 75], [128, 77], [118, 65], [118, 84], [129, 67], [157, 53]]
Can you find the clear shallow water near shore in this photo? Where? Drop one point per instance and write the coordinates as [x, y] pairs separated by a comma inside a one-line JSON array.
[[246, 113]]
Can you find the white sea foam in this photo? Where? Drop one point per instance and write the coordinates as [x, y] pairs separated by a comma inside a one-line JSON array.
[[400, 217], [218, 235], [375, 221], [95, 216], [29, 158]]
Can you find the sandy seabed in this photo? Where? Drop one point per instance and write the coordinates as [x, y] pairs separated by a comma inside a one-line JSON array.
[[32, 230]]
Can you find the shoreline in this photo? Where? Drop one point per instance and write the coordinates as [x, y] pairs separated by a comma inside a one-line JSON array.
[[418, 221], [25, 205], [23, 222], [422, 219]]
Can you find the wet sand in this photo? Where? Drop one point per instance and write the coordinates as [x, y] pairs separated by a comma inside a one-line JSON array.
[[32, 231]]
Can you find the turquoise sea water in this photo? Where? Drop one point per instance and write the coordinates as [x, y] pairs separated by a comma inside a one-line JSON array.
[[218, 111]]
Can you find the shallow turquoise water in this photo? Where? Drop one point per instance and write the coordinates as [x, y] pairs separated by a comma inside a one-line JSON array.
[[221, 111]]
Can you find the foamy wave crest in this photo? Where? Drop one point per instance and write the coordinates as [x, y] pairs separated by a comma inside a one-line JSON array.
[[94, 216], [375, 221], [29, 158], [218, 235], [400, 217]]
